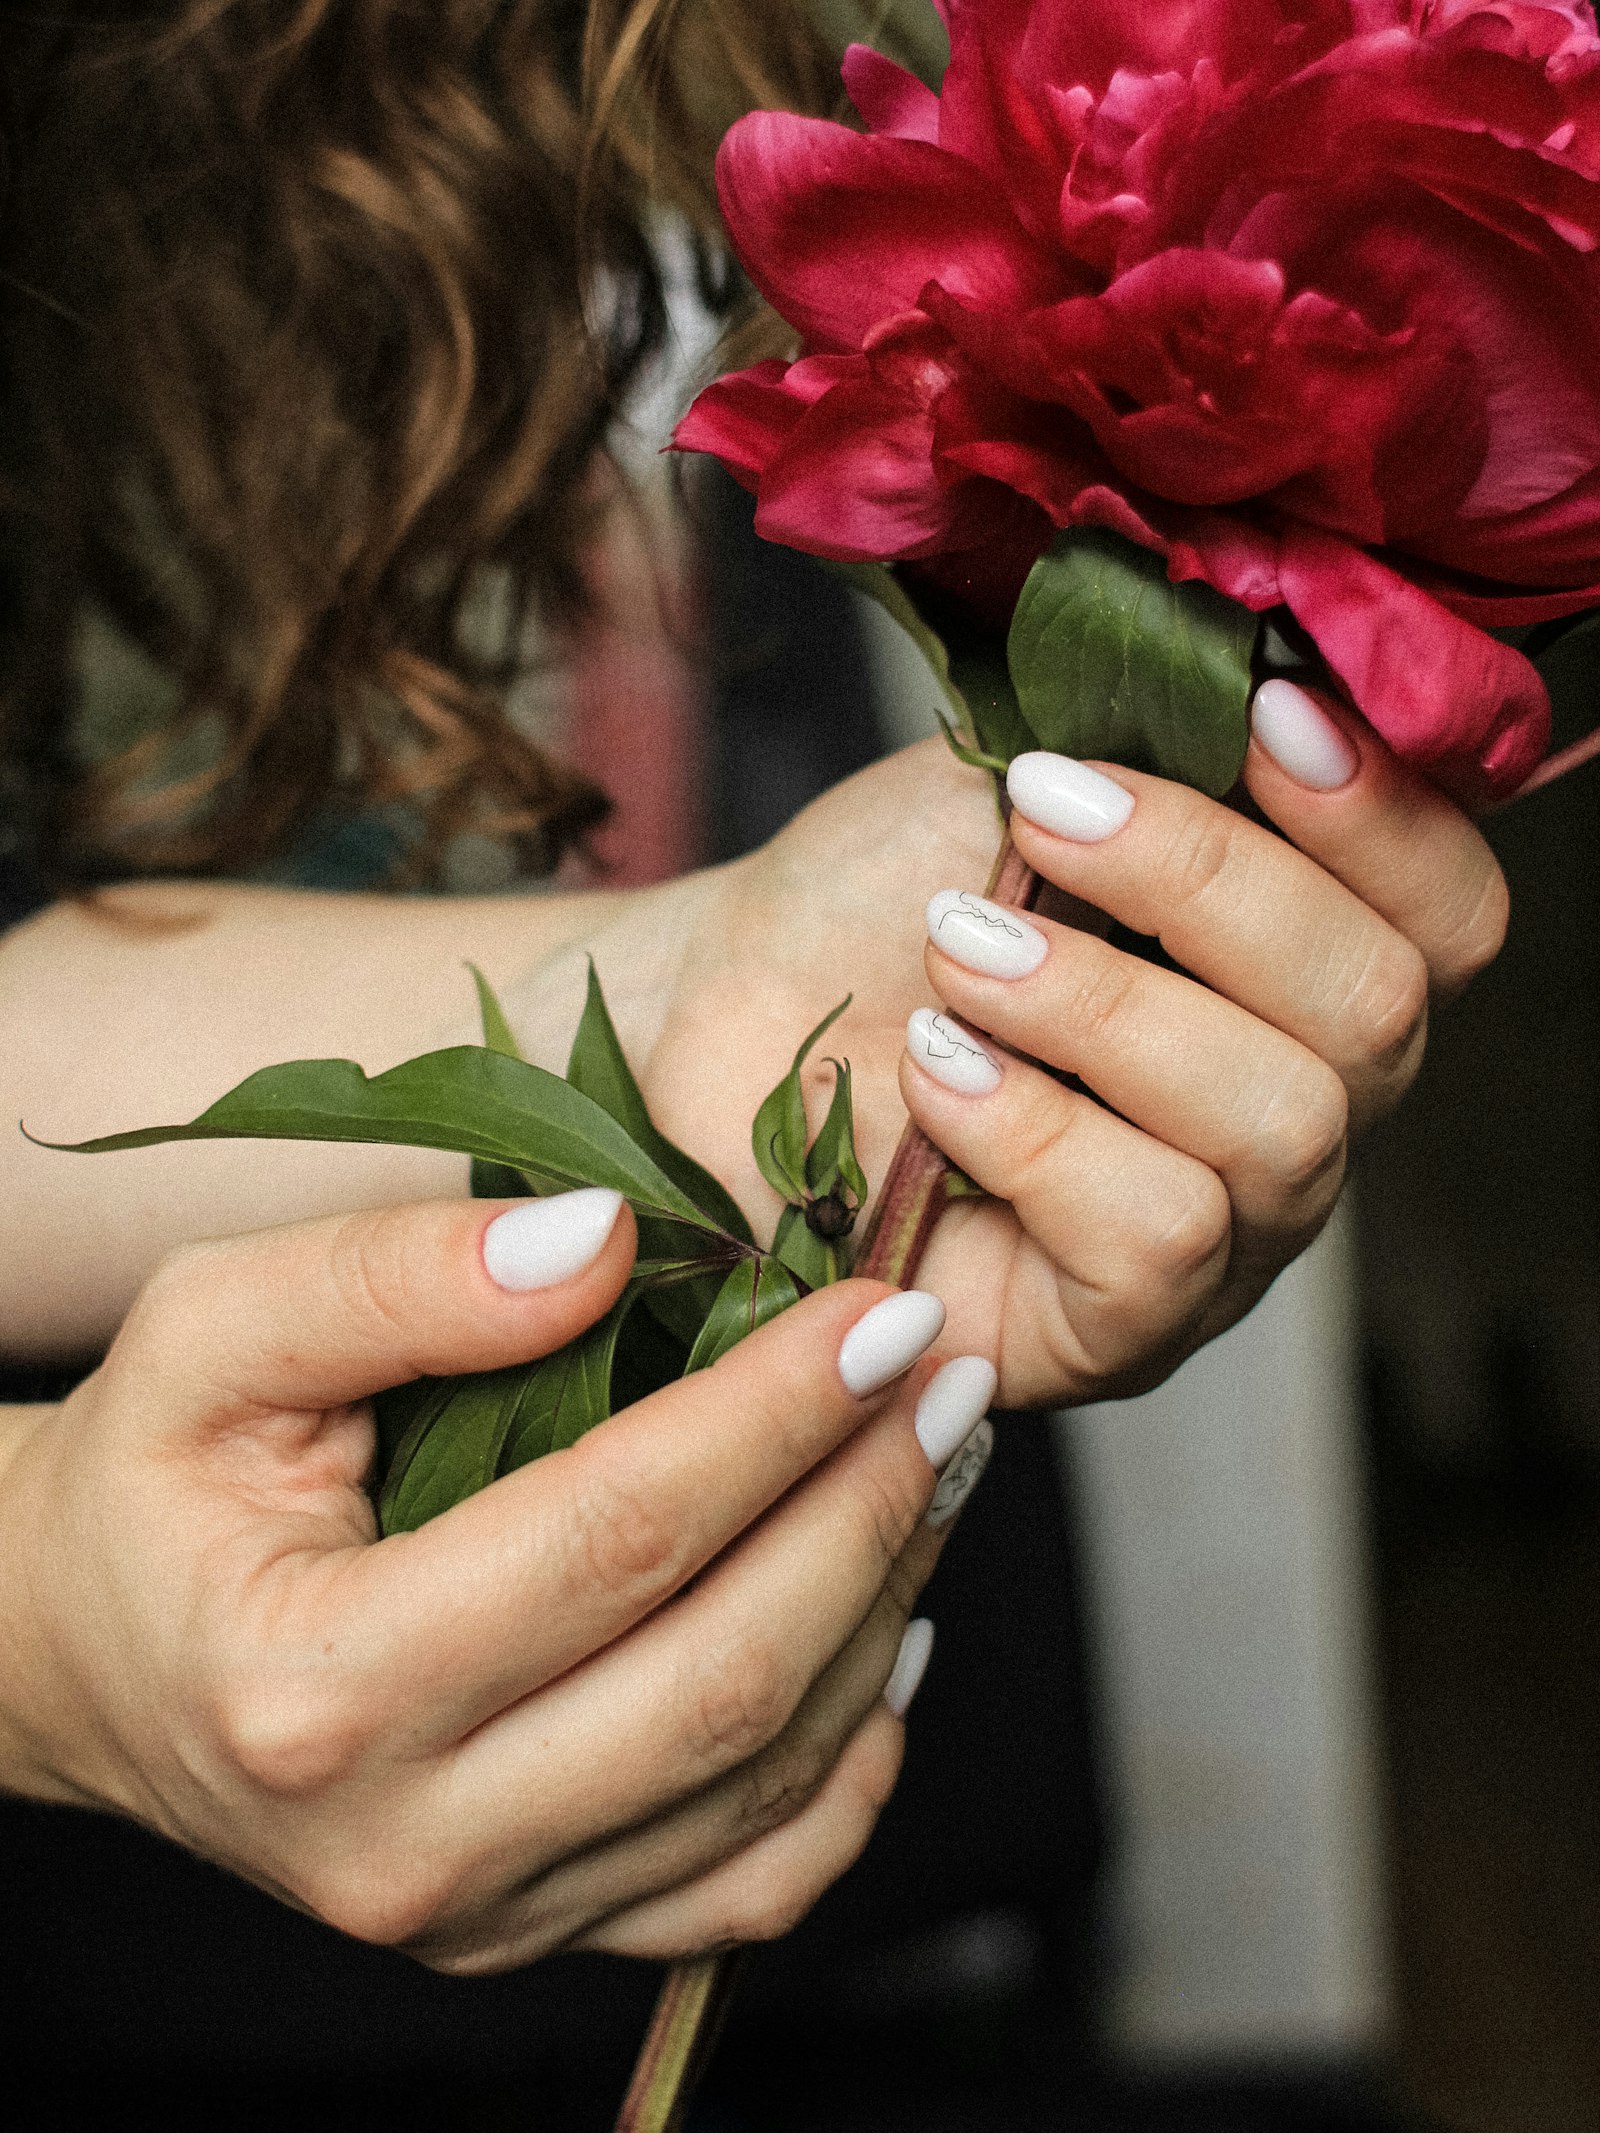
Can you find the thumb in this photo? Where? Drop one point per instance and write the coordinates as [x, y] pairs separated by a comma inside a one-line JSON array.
[[326, 1313]]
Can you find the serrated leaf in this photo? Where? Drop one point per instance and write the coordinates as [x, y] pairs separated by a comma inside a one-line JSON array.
[[831, 1160], [778, 1137], [599, 1067], [452, 1448], [1111, 659], [756, 1290], [812, 1259], [469, 1099], [497, 1032]]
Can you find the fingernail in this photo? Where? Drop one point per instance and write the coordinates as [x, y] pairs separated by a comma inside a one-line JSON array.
[[953, 1400], [911, 1663], [983, 936], [962, 1475], [950, 1053], [1062, 794], [541, 1242], [887, 1340], [1301, 738]]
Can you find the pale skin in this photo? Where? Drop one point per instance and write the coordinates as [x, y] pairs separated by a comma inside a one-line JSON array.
[[1122, 1233]]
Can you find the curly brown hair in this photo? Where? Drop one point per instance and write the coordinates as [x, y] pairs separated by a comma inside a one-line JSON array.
[[311, 313]]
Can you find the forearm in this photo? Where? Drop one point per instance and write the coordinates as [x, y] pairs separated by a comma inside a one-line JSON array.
[[147, 1009], [22, 1768]]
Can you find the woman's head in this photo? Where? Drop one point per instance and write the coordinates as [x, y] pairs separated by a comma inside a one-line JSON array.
[[312, 312]]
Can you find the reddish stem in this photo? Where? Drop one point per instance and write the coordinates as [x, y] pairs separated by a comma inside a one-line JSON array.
[[1556, 766], [695, 1997]]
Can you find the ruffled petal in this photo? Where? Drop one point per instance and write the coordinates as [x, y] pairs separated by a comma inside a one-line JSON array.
[[1469, 712], [744, 418], [839, 230], [854, 480]]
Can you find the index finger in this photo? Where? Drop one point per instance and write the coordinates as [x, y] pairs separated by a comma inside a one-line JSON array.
[[505, 1591]]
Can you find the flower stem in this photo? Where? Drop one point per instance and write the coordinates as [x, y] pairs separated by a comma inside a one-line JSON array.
[[694, 1999]]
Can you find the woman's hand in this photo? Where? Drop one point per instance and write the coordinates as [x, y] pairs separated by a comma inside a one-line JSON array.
[[630, 1697], [1145, 1206]]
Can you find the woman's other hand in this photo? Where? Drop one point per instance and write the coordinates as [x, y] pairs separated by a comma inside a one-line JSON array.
[[1143, 1204], [629, 1697]]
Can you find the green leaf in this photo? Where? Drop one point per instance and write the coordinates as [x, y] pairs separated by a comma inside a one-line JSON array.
[[470, 1099], [756, 1290], [496, 1029], [600, 1069], [832, 1157], [1002, 731], [452, 1448], [812, 1259], [778, 1136], [567, 1393], [1111, 659]]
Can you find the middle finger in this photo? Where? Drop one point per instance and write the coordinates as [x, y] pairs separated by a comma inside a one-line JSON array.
[[1239, 907]]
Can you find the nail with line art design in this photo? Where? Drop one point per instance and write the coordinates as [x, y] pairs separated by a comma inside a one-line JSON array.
[[985, 937], [948, 1051]]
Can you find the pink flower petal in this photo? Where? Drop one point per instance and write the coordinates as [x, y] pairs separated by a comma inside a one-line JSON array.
[[1468, 711], [840, 230], [891, 100]]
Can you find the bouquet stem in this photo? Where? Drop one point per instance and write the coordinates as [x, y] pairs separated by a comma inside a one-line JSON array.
[[694, 1999]]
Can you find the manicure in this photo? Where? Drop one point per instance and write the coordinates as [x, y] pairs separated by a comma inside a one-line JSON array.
[[540, 1242], [951, 1053], [1300, 737], [986, 937], [962, 1475], [953, 1401], [887, 1340], [1061, 794], [911, 1663]]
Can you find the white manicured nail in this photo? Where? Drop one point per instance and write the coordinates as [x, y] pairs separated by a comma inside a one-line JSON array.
[[953, 1401], [541, 1242], [950, 1053], [1301, 738], [911, 1663], [962, 1475], [983, 936], [1066, 796], [888, 1339]]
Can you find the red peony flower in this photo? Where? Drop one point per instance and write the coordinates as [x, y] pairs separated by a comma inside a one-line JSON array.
[[1302, 294]]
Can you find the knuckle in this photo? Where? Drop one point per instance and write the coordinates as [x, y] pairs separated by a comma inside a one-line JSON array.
[[776, 1786], [1303, 1140], [1101, 998], [888, 1507], [1389, 1010], [740, 1703], [1473, 944], [367, 1269], [289, 1739], [1188, 1237], [376, 1898], [1198, 849], [624, 1540]]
